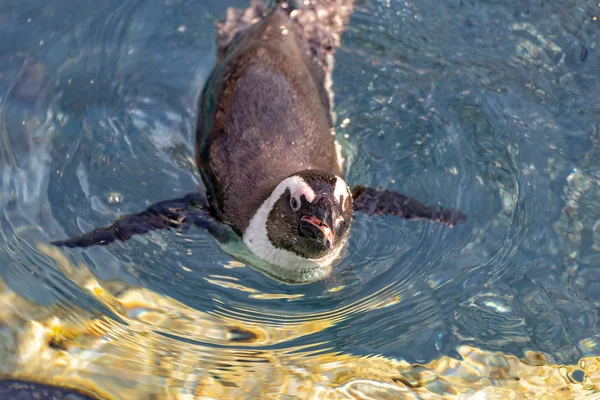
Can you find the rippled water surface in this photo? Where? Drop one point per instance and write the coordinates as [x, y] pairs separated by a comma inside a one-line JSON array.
[[489, 107]]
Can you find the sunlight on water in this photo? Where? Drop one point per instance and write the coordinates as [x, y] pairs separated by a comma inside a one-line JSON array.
[[70, 347]]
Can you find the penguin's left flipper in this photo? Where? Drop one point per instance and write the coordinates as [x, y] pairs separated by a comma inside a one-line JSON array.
[[371, 201], [179, 213]]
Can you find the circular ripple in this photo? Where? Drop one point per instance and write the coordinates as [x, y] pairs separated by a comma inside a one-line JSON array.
[[482, 107]]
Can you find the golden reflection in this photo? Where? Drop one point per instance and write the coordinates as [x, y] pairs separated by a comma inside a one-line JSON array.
[[231, 285], [133, 358], [276, 296], [234, 264]]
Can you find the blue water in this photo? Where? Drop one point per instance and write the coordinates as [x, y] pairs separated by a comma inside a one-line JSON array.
[[488, 107]]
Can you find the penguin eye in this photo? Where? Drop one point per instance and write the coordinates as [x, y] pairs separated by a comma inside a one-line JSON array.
[[294, 203]]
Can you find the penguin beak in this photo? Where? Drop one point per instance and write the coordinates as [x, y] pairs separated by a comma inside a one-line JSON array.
[[320, 217], [328, 235]]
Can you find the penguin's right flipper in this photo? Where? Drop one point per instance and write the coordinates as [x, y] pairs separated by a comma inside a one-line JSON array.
[[179, 213], [372, 201]]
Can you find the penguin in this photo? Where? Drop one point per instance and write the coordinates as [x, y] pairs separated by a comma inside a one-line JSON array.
[[265, 150]]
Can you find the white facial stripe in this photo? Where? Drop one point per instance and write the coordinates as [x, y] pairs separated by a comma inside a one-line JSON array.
[[298, 187], [341, 189]]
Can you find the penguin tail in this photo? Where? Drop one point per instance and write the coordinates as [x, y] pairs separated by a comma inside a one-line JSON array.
[[236, 22], [322, 22]]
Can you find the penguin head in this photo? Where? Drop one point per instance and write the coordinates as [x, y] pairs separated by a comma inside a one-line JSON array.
[[310, 214]]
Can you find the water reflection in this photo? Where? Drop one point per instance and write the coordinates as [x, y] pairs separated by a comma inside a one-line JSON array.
[[141, 357]]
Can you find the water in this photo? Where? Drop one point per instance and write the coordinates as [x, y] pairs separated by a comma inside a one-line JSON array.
[[488, 107]]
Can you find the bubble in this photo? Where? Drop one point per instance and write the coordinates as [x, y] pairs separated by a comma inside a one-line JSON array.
[[114, 198]]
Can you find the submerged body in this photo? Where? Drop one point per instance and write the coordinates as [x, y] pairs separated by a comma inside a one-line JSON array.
[[266, 151]]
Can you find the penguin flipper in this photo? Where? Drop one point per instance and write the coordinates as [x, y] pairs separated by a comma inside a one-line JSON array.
[[179, 213], [372, 201]]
